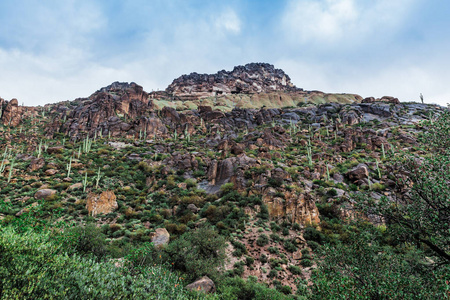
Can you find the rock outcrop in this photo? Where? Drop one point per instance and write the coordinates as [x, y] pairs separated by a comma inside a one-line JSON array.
[[120, 109], [160, 238], [249, 79], [203, 284], [45, 194], [101, 204], [12, 113]]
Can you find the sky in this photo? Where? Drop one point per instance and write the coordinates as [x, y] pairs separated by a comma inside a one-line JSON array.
[[56, 50]]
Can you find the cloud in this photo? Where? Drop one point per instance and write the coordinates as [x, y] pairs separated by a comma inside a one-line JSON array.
[[403, 79], [76, 59], [229, 21], [328, 22], [69, 49]]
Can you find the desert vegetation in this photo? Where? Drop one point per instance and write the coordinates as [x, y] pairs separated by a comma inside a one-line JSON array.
[[318, 201]]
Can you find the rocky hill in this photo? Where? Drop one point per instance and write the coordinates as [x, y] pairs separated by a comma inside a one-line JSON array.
[[254, 85], [275, 182], [249, 79]]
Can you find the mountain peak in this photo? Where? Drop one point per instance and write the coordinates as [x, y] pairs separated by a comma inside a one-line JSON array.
[[248, 79]]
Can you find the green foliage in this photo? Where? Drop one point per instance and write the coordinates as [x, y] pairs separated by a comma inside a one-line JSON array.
[[364, 269], [33, 266], [422, 216], [197, 253], [312, 234], [290, 246], [306, 263], [295, 270], [239, 289], [262, 240], [275, 182], [85, 240]]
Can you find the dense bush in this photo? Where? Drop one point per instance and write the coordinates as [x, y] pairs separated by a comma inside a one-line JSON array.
[[239, 289], [33, 266], [197, 253], [262, 240]]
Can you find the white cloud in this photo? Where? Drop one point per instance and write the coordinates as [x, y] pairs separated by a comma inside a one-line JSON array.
[[333, 21], [403, 80], [229, 21]]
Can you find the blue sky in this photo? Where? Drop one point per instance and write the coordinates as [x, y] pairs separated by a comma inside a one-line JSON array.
[[63, 49]]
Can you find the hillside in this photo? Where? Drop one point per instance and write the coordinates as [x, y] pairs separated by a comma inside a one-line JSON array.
[[275, 179], [254, 85]]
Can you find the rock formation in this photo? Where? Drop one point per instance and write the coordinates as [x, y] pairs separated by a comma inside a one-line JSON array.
[[204, 284], [249, 79], [115, 110], [101, 204]]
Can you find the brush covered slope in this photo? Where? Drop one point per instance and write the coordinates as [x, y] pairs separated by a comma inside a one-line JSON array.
[[240, 204]]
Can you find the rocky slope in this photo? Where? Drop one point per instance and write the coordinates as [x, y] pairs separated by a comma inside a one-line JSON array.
[[264, 177]]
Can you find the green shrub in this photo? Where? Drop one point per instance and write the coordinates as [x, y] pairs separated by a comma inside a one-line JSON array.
[[275, 182], [262, 240], [295, 270], [312, 234], [306, 263], [272, 274], [88, 239], [237, 288], [263, 258], [249, 261], [33, 266], [290, 246], [273, 250], [197, 253], [285, 289]]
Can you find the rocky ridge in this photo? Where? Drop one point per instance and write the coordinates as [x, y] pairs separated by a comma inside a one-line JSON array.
[[249, 79]]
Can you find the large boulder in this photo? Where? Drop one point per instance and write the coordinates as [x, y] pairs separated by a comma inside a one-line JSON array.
[[104, 203], [161, 237], [203, 284], [45, 194], [359, 172]]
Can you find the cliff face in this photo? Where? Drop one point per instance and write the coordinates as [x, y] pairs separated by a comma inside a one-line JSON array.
[[116, 110], [249, 79]]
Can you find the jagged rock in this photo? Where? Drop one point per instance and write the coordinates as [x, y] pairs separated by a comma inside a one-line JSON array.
[[230, 170], [45, 194], [380, 109], [120, 109], [338, 177], [171, 114], [203, 284], [300, 209], [237, 149], [36, 164], [12, 114], [359, 172], [249, 79], [272, 140], [161, 237], [351, 117], [101, 204]]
